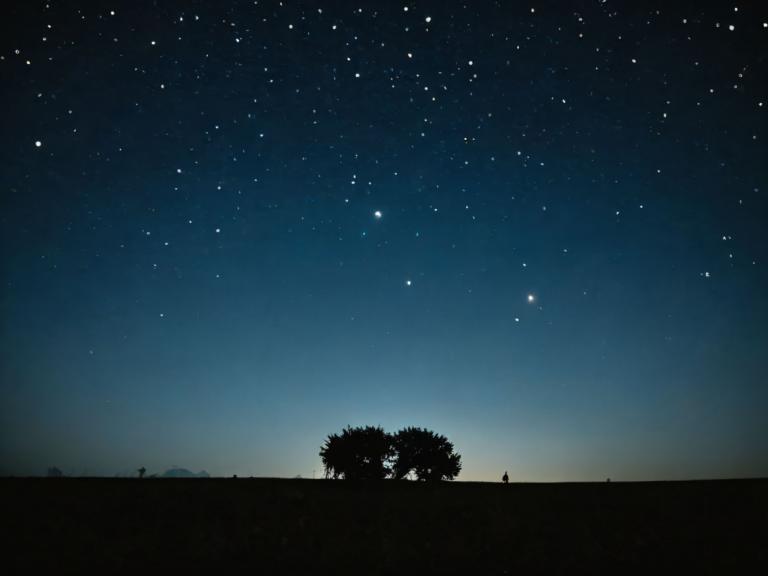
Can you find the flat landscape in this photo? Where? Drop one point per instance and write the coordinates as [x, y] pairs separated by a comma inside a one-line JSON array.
[[277, 526]]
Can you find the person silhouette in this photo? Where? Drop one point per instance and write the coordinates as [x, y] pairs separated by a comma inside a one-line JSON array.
[[142, 471], [505, 478]]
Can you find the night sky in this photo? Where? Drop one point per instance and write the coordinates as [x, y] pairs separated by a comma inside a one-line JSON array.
[[230, 229]]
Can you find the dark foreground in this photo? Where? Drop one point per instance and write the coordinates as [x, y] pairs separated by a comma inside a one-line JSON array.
[[266, 526]]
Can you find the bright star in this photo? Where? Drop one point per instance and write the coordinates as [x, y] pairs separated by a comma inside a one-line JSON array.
[[377, 214], [531, 298]]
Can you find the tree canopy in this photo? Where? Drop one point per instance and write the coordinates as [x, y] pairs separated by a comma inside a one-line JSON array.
[[360, 453], [370, 453], [427, 455]]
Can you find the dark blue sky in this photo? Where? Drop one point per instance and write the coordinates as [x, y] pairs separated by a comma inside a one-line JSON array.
[[232, 228]]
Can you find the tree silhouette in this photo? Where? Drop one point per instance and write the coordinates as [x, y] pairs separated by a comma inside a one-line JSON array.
[[369, 453], [54, 472], [360, 453], [428, 455]]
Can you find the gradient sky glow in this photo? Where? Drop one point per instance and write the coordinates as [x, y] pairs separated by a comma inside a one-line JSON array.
[[232, 228]]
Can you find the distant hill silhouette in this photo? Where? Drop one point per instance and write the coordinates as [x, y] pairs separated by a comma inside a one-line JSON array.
[[183, 473]]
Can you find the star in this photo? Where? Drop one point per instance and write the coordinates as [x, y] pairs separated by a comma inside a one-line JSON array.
[[377, 214], [531, 298]]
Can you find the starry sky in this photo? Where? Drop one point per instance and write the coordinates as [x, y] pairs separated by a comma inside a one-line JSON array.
[[232, 228]]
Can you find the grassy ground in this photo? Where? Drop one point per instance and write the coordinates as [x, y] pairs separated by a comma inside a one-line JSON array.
[[271, 526]]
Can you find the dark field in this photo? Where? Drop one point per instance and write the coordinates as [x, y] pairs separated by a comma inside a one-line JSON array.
[[267, 526]]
